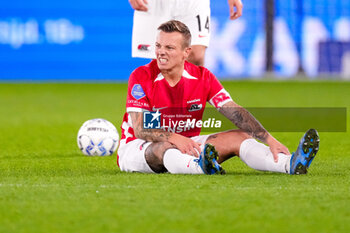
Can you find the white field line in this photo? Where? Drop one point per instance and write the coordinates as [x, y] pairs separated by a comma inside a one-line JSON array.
[[19, 185], [116, 186]]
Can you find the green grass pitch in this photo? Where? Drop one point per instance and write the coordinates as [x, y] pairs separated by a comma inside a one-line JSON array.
[[48, 185]]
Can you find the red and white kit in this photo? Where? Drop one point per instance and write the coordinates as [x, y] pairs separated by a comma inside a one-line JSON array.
[[149, 91]]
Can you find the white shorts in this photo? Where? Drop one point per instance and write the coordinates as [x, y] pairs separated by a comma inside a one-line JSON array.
[[131, 156], [194, 13]]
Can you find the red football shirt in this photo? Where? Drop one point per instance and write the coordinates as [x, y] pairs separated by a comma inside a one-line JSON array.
[[149, 91]]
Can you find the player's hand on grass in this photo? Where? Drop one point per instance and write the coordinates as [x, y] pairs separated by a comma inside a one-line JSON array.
[[185, 145], [276, 147], [236, 8], [139, 5]]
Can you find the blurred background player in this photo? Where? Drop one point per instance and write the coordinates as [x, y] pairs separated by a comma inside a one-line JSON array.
[[149, 14], [171, 86]]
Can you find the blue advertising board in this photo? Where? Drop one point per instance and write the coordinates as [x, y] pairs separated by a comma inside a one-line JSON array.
[[66, 40], [91, 40]]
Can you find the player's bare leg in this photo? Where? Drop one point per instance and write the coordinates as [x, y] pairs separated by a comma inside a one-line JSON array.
[[253, 153], [154, 155], [227, 143], [197, 55], [163, 156]]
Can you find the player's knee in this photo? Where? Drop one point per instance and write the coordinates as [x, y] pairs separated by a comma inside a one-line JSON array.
[[243, 135], [240, 136], [163, 147], [197, 55], [194, 59], [154, 156], [237, 137]]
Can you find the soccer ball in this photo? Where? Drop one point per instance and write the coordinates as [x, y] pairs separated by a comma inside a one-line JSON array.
[[98, 137]]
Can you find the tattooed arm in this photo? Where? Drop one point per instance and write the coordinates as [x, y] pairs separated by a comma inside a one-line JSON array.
[[244, 120], [247, 122], [184, 144], [152, 135]]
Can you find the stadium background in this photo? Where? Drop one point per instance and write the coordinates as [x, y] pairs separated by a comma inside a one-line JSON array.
[[91, 40], [47, 185]]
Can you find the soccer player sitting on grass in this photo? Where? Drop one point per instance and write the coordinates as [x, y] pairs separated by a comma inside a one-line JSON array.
[[171, 86]]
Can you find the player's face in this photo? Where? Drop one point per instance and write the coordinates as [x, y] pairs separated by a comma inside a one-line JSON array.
[[169, 50]]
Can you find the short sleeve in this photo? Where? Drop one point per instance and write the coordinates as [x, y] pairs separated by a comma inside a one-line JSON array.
[[136, 100], [218, 96]]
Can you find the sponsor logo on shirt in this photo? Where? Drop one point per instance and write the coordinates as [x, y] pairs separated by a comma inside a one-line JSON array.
[[156, 109], [143, 47], [195, 107], [137, 92], [192, 101]]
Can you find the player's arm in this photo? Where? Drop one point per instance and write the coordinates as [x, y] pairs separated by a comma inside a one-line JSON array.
[[245, 121], [241, 117], [152, 135], [139, 5], [184, 144], [236, 8]]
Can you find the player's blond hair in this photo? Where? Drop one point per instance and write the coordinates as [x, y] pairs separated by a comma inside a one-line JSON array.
[[177, 26]]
